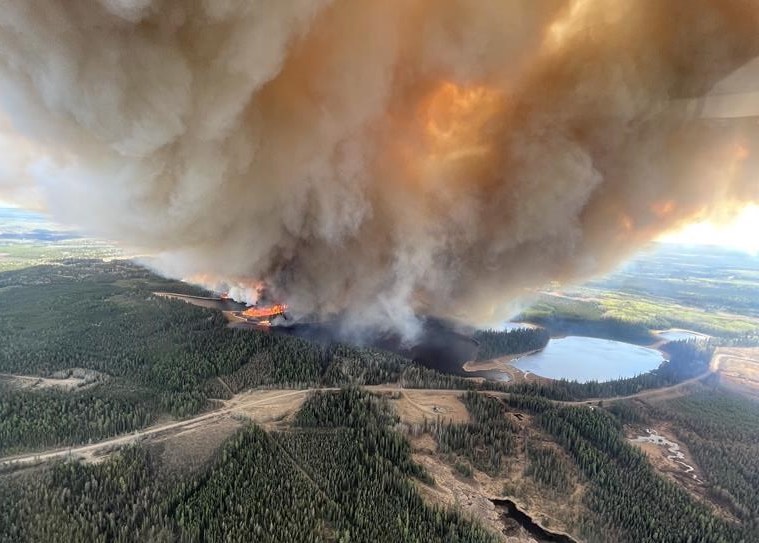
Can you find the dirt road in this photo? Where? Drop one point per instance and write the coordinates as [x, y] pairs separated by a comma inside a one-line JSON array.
[[88, 451], [243, 402]]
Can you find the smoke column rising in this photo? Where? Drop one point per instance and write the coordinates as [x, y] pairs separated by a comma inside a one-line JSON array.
[[379, 157]]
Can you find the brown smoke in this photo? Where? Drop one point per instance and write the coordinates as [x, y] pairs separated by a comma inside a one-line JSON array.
[[380, 156]]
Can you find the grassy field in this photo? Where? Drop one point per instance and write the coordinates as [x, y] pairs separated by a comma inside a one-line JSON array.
[[709, 290]]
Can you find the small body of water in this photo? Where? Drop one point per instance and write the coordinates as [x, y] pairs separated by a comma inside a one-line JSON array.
[[511, 515], [681, 335], [675, 454], [590, 359]]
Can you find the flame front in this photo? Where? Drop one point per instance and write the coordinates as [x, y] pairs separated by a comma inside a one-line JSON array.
[[265, 312]]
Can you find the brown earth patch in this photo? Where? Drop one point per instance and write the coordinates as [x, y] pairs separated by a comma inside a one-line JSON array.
[[413, 407], [32, 382], [556, 511], [193, 447], [269, 408], [673, 469], [738, 369]]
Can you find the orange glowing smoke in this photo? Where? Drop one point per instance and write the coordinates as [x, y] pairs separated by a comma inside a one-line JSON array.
[[454, 119], [627, 223], [741, 152], [663, 209], [265, 312]]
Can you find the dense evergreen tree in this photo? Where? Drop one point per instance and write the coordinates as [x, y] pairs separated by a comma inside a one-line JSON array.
[[721, 431], [488, 441], [52, 418], [342, 476], [493, 343], [626, 496]]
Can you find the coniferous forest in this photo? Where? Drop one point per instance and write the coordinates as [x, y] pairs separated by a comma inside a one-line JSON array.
[[340, 468], [342, 474]]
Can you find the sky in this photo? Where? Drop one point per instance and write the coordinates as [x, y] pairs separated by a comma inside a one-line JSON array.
[[741, 232]]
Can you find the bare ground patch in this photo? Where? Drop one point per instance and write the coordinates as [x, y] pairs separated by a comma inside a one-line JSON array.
[[505, 365], [556, 511], [268, 408], [738, 369], [193, 447], [68, 380], [675, 463], [413, 407]]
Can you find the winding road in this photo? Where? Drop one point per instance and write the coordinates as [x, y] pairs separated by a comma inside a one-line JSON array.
[[239, 403]]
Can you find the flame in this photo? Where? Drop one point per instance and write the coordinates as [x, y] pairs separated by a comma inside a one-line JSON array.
[[265, 312]]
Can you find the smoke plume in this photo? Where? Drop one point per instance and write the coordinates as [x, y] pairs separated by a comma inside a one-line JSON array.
[[378, 157]]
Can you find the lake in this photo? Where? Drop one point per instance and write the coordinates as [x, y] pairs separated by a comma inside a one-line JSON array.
[[676, 334], [590, 359]]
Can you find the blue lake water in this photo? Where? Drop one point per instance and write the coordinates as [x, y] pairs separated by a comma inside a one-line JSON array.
[[590, 359], [680, 335]]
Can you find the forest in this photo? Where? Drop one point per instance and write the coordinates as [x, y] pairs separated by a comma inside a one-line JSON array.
[[494, 343], [155, 355], [158, 355], [487, 442], [721, 430], [341, 475], [49, 418], [627, 499]]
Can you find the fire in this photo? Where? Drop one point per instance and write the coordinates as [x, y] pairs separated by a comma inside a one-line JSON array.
[[265, 312]]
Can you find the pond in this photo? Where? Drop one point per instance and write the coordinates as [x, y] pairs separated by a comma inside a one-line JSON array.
[[590, 359]]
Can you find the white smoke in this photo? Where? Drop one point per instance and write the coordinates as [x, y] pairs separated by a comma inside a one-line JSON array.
[[376, 157]]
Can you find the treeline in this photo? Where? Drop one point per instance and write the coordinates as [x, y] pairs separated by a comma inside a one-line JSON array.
[[548, 467], [493, 343], [629, 501], [687, 359], [51, 418], [342, 476], [487, 441], [603, 327], [721, 431]]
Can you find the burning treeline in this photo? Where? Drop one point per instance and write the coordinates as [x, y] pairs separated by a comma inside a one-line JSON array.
[[380, 157]]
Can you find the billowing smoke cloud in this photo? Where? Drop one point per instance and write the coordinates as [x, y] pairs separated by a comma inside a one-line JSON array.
[[382, 157]]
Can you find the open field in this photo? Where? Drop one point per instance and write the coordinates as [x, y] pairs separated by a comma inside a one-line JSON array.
[[414, 406], [651, 312], [39, 383], [266, 407], [241, 405], [738, 368]]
